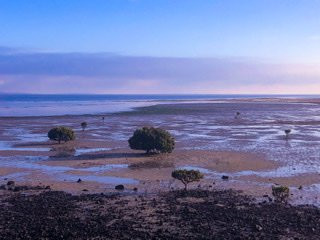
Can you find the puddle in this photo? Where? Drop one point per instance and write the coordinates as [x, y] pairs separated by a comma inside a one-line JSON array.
[[285, 171], [36, 165], [60, 172], [80, 151], [24, 135]]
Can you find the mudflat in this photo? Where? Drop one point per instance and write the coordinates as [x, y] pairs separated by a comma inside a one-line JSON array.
[[250, 148]]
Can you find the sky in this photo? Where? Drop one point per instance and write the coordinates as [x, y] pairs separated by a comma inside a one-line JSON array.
[[160, 46]]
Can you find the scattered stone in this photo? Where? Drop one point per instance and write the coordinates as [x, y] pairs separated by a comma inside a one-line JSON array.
[[10, 183], [84, 190], [224, 177], [47, 187], [79, 180], [259, 228], [220, 205], [135, 189], [119, 187], [300, 187]]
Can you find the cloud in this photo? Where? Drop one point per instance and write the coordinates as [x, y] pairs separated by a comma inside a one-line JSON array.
[[40, 72]]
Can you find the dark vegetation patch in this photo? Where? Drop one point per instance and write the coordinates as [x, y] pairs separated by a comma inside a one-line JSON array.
[[193, 214]]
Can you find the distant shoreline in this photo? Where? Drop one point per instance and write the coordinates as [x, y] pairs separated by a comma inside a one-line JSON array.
[[72, 108]]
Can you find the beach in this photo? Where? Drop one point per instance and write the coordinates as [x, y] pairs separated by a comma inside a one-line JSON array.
[[251, 149]]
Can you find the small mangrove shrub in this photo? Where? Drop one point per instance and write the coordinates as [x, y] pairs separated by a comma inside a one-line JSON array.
[[287, 132], [187, 176], [84, 125], [280, 194], [152, 139], [61, 134]]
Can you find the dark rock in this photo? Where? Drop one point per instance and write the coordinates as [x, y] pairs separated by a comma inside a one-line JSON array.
[[10, 183], [300, 187], [223, 214], [258, 227], [79, 180], [224, 177], [119, 187], [135, 189], [84, 190]]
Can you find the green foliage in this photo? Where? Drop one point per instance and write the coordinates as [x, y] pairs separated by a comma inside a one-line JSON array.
[[152, 139], [61, 134], [84, 125], [280, 193], [187, 176]]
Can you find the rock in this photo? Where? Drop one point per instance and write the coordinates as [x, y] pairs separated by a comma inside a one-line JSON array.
[[119, 187], [224, 177], [47, 187], [10, 183], [300, 187], [84, 190], [79, 180], [259, 228], [220, 205], [135, 189]]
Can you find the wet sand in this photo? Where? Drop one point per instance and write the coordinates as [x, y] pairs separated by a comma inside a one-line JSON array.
[[251, 149]]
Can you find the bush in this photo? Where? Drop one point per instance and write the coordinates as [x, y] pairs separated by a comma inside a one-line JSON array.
[[84, 125], [287, 132], [187, 176], [61, 134], [280, 193], [152, 140]]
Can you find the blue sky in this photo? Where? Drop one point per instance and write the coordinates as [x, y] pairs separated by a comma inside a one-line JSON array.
[[139, 46]]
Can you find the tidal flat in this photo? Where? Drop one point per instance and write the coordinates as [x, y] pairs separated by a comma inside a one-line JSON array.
[[251, 148]]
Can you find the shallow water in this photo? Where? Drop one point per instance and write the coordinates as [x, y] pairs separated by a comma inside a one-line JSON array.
[[61, 172], [260, 129]]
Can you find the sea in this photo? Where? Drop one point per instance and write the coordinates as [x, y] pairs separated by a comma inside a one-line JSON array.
[[20, 105]]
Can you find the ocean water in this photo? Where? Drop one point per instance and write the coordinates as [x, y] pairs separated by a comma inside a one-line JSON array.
[[75, 104]]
